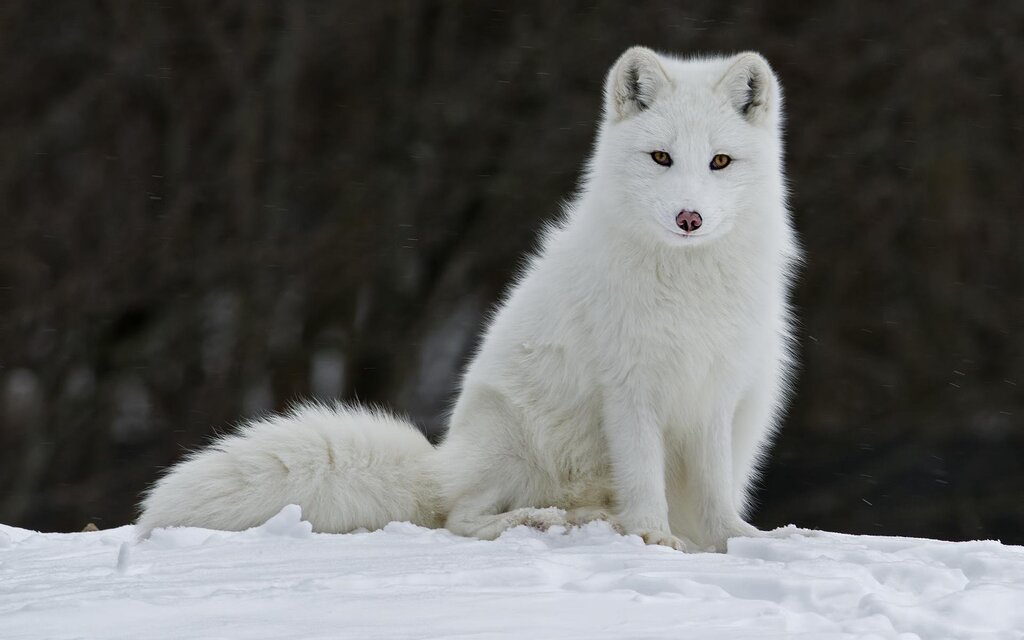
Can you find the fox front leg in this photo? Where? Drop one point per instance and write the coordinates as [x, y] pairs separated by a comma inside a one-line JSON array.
[[637, 452]]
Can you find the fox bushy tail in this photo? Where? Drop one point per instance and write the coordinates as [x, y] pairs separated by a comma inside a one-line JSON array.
[[347, 467]]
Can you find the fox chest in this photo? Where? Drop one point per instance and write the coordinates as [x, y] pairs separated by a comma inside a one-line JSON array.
[[679, 353]]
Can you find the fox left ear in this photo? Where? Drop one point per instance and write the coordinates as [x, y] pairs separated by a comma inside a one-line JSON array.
[[751, 87], [634, 82]]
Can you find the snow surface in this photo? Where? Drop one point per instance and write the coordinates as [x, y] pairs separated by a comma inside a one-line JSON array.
[[281, 580]]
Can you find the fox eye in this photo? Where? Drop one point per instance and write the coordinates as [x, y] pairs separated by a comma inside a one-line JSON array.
[[720, 161], [662, 158]]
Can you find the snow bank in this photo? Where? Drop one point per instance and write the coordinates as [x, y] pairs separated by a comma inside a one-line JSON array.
[[281, 580]]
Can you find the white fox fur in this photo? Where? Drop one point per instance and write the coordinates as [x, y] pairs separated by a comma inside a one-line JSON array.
[[635, 372], [348, 468]]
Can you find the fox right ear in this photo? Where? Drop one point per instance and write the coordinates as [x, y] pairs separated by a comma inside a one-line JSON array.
[[751, 87], [634, 82]]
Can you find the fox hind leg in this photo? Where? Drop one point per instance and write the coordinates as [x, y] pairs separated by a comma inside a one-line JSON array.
[[489, 526]]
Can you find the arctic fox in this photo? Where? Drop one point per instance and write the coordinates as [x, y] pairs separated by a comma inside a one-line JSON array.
[[635, 372]]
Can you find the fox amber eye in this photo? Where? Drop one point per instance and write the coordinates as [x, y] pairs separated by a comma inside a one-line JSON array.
[[720, 161], [662, 158]]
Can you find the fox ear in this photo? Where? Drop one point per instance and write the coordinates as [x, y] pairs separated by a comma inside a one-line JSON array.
[[751, 87], [634, 82]]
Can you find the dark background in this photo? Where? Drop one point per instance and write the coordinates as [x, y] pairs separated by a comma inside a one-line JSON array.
[[210, 209]]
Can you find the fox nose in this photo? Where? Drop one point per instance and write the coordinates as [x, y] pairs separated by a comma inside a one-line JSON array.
[[688, 221]]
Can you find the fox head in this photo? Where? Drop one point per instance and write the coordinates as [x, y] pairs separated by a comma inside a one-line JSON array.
[[689, 148]]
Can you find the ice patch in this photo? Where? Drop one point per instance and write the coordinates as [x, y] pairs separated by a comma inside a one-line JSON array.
[[124, 556], [14, 534], [288, 523], [183, 537], [405, 529]]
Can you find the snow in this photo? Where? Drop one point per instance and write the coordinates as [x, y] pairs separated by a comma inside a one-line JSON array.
[[281, 580]]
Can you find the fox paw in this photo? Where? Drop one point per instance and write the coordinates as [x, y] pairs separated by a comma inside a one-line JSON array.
[[737, 530], [585, 515], [539, 519], [666, 539]]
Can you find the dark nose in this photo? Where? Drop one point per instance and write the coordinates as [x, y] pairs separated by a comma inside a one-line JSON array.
[[688, 221]]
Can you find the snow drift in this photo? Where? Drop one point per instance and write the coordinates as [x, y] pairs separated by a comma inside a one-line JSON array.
[[280, 580]]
